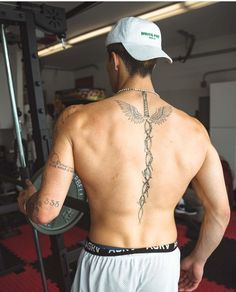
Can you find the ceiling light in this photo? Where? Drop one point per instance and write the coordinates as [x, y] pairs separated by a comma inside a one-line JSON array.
[[53, 49], [164, 12], [174, 9], [161, 13], [198, 4], [89, 35]]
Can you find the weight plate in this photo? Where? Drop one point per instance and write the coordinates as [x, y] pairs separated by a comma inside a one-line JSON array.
[[69, 215]]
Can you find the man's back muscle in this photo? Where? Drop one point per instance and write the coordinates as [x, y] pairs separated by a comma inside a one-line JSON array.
[[109, 154]]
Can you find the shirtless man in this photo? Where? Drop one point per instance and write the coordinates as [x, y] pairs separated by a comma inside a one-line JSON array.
[[135, 154]]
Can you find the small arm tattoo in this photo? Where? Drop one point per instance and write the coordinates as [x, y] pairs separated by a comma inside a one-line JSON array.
[[54, 161], [52, 203], [34, 204]]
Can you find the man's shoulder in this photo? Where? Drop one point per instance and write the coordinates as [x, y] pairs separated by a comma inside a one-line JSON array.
[[76, 115], [67, 112], [66, 118], [191, 125]]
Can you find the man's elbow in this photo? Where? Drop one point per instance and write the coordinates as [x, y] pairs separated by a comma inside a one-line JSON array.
[[220, 215], [46, 217], [224, 216], [227, 215]]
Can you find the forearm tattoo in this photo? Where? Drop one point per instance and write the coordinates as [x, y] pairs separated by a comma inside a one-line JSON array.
[[34, 203], [158, 117], [54, 161], [51, 203]]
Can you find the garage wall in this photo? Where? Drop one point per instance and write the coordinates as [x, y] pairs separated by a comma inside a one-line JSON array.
[[223, 120], [98, 71], [182, 81], [54, 79]]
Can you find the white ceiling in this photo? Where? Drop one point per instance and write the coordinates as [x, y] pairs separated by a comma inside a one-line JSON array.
[[208, 22]]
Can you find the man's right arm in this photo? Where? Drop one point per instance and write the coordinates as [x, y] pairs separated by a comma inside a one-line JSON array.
[[210, 186]]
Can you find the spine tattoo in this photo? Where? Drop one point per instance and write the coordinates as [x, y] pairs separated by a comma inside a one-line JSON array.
[[147, 172], [158, 117]]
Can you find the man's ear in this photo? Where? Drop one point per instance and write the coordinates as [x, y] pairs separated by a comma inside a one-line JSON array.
[[115, 61]]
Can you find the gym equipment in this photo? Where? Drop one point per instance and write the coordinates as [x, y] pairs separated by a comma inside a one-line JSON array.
[[74, 208], [27, 17], [24, 170]]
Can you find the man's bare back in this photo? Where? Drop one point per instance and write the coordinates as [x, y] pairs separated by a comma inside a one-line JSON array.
[[135, 155], [109, 158]]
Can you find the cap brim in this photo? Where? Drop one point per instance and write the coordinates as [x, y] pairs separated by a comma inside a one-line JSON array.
[[144, 53]]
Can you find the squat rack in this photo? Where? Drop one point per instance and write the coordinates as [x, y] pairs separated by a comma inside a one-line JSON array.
[[28, 17]]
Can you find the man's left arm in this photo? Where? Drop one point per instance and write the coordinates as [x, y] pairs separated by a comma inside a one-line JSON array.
[[44, 205]]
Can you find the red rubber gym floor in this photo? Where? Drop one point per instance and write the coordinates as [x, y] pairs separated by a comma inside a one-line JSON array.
[[219, 274]]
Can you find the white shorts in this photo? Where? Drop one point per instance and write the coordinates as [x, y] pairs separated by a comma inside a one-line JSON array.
[[110, 269]]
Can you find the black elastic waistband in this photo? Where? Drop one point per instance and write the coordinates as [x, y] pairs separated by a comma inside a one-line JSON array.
[[101, 250]]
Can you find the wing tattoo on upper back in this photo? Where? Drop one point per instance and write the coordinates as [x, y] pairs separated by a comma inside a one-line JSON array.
[[161, 115], [131, 112]]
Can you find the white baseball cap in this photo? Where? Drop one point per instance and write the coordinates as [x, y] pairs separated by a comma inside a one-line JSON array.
[[141, 38]]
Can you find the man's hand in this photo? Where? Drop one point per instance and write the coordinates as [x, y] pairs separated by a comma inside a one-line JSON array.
[[25, 194], [190, 275]]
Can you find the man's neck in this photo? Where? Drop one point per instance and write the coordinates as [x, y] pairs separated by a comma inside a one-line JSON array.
[[137, 82]]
